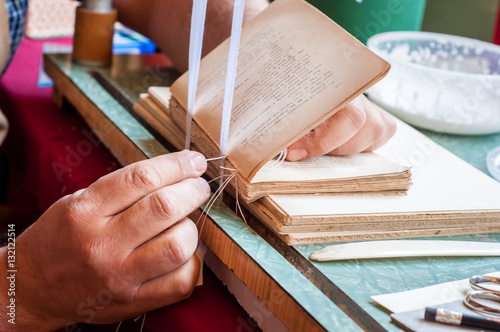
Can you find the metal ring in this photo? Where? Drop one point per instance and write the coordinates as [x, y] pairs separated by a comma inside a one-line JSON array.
[[470, 301], [475, 283]]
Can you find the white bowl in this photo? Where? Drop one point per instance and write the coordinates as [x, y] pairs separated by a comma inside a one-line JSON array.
[[440, 82]]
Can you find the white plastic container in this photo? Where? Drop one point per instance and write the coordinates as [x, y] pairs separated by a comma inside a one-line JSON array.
[[440, 82]]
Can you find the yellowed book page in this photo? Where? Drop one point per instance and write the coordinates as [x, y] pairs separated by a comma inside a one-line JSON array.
[[296, 67], [442, 183], [315, 169], [162, 94], [327, 168]]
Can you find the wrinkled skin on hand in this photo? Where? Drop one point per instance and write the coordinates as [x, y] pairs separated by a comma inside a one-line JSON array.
[[360, 126], [119, 248]]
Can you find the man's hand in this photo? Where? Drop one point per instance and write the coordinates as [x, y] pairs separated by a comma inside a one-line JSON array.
[[360, 126], [119, 248]]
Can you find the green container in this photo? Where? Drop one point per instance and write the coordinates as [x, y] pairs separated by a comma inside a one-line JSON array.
[[368, 17], [474, 19]]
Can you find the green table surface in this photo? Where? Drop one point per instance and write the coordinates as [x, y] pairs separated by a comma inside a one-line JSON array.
[[361, 279], [354, 281]]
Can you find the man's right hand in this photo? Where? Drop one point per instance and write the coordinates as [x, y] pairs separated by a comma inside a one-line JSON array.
[[119, 248]]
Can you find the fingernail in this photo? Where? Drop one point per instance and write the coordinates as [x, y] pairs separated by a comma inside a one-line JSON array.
[[296, 154], [198, 163], [204, 185]]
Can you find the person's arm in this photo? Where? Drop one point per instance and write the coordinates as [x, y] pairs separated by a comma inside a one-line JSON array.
[[12, 19], [4, 36], [5, 54], [119, 248], [167, 23]]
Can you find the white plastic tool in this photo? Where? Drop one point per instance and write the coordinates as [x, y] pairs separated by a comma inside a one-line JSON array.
[[405, 248]]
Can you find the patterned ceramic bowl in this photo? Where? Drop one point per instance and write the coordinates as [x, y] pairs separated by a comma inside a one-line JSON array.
[[440, 82]]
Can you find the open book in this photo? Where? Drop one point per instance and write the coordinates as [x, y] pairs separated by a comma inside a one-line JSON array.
[[448, 196], [296, 68]]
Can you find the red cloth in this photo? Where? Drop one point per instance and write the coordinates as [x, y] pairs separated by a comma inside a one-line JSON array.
[[496, 32], [52, 153], [43, 141]]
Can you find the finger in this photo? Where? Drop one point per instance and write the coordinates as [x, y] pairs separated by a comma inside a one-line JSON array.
[[389, 132], [329, 135], [158, 211], [163, 254], [153, 294], [169, 288], [378, 129], [117, 191]]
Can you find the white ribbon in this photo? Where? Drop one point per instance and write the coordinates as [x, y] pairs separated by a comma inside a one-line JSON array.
[[195, 46], [232, 62]]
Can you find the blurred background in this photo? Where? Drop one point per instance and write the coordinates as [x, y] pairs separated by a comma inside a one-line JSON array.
[[475, 19]]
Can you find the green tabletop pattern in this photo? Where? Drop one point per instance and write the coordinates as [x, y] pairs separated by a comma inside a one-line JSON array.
[[358, 279], [361, 279]]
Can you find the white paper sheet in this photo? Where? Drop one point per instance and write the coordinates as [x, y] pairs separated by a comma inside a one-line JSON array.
[[426, 296]]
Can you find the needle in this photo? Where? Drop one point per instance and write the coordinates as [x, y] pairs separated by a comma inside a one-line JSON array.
[[216, 158]]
